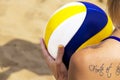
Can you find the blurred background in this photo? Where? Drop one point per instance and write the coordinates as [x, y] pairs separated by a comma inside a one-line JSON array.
[[22, 23]]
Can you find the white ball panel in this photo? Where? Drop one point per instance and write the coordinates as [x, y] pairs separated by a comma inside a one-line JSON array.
[[64, 32]]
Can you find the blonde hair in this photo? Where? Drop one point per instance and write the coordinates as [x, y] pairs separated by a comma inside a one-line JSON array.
[[114, 11]]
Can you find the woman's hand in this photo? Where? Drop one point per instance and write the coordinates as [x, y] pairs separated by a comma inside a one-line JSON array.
[[56, 65]]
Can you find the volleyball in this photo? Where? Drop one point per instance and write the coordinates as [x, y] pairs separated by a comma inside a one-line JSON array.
[[76, 25]]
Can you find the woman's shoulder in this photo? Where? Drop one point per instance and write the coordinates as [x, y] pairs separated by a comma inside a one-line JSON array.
[[97, 57], [108, 51], [80, 61], [82, 54]]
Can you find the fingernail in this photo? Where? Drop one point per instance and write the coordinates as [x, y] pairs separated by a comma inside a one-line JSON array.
[[60, 46]]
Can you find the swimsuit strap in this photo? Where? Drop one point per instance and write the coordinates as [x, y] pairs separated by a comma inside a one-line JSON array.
[[113, 37]]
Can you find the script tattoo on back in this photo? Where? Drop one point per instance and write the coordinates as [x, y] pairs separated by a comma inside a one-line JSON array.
[[103, 70]]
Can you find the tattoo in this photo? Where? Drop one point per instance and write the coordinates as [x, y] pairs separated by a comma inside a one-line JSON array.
[[108, 71], [96, 69], [118, 70], [102, 70]]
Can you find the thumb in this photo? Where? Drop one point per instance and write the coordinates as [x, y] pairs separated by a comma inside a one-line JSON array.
[[60, 53]]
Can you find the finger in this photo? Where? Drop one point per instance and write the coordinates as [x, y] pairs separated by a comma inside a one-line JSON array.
[[60, 53], [45, 52]]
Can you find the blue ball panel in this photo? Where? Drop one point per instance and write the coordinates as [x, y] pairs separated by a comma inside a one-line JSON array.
[[94, 22]]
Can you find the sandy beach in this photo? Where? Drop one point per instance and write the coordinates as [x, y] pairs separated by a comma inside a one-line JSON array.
[[22, 23]]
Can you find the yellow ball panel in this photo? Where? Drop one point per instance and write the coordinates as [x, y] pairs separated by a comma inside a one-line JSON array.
[[60, 17], [104, 33]]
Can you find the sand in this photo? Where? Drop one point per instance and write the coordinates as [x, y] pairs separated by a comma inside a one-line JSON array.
[[22, 23]]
